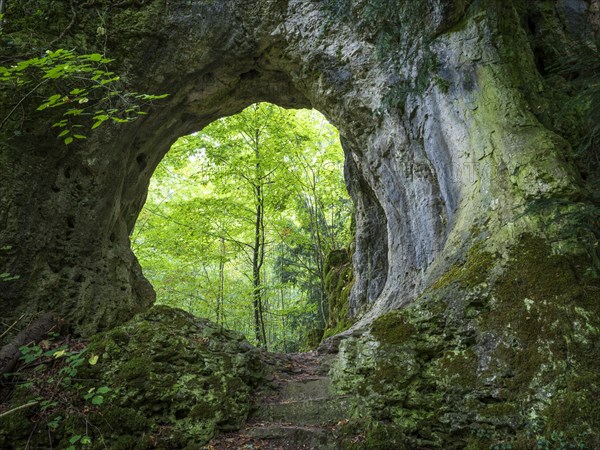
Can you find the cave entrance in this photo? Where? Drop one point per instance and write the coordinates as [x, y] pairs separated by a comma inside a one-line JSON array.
[[240, 219]]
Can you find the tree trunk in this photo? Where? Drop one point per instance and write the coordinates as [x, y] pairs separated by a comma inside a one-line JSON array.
[[258, 249], [256, 281], [221, 290]]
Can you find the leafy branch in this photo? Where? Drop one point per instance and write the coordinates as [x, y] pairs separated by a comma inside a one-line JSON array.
[[84, 88]]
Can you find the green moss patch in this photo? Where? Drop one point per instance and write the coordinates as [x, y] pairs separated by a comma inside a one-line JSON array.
[[502, 353], [172, 380], [393, 328], [472, 272], [358, 435], [338, 284]]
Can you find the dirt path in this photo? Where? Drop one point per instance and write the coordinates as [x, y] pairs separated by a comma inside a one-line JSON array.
[[298, 411]]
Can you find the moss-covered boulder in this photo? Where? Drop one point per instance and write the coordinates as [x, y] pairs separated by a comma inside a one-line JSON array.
[[509, 362], [166, 379]]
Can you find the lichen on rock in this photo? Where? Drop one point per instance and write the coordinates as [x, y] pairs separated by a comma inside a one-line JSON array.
[[185, 375], [509, 363]]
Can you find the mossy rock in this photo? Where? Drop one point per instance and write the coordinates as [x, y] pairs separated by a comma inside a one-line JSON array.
[[470, 273], [336, 258], [393, 328], [372, 435], [178, 370], [338, 284], [175, 381], [486, 357]]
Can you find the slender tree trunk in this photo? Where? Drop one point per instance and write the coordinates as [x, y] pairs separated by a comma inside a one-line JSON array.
[[282, 300], [318, 244], [257, 262], [221, 291], [258, 249], [262, 259], [256, 274]]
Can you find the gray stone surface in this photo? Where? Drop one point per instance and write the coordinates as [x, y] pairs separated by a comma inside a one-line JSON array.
[[459, 150], [298, 436], [310, 389], [305, 412]]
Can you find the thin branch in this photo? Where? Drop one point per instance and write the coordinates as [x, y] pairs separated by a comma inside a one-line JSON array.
[[205, 233], [10, 328], [26, 405], [21, 101], [71, 23]]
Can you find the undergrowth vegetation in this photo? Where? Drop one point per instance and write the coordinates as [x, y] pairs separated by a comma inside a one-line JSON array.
[[50, 392]]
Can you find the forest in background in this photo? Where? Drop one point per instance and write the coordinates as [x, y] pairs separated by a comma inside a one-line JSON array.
[[239, 220]]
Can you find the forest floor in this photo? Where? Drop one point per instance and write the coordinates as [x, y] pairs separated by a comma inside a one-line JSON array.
[[297, 411]]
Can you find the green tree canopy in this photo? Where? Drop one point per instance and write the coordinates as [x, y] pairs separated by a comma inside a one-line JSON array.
[[239, 219]]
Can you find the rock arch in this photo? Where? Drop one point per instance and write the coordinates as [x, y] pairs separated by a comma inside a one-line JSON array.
[[67, 212]]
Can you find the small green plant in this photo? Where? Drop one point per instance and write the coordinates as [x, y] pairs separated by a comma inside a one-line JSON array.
[[96, 396], [5, 276], [48, 376], [84, 440], [30, 354]]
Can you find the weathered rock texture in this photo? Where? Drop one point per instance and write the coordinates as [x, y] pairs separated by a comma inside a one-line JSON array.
[[460, 122], [175, 380], [438, 132], [477, 365]]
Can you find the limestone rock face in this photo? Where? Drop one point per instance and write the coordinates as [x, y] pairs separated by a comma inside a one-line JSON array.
[[440, 138]]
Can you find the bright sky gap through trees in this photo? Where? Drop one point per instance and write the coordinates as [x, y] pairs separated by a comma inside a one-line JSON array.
[[240, 218]]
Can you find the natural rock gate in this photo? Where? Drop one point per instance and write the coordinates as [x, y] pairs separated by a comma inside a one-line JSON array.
[[460, 153]]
